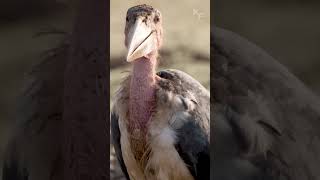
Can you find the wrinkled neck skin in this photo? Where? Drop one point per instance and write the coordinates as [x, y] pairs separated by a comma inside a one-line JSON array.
[[142, 92]]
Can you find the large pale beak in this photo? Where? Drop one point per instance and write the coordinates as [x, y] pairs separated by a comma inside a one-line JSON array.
[[141, 40]]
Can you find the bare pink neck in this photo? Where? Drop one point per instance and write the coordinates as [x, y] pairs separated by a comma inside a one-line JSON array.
[[142, 91]]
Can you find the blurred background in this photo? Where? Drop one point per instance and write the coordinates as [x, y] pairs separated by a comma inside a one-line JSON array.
[[289, 30], [23, 41], [186, 44]]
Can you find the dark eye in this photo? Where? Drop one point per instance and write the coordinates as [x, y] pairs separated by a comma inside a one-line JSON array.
[[156, 19], [127, 19]]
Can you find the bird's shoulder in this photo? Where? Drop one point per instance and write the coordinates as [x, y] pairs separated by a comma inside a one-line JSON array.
[[184, 97], [187, 104]]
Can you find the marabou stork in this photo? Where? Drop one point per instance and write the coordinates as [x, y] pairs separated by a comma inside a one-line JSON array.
[[160, 121]]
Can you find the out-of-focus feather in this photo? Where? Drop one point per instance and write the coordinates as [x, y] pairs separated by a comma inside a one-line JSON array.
[[34, 151], [266, 122]]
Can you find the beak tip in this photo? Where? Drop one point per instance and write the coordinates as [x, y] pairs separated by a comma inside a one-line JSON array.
[[129, 58]]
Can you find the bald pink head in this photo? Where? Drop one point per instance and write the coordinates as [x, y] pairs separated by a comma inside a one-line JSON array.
[[143, 32]]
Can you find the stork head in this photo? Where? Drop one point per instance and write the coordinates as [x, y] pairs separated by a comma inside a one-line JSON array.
[[143, 32]]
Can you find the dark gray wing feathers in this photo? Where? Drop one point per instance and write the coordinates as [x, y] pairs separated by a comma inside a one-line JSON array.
[[192, 137], [193, 148], [116, 135]]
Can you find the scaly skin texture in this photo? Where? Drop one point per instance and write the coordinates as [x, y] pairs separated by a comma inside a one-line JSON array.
[[142, 91], [142, 101]]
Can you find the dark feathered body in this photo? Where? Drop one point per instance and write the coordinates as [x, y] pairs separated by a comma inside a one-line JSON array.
[[266, 122], [177, 145], [34, 152]]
